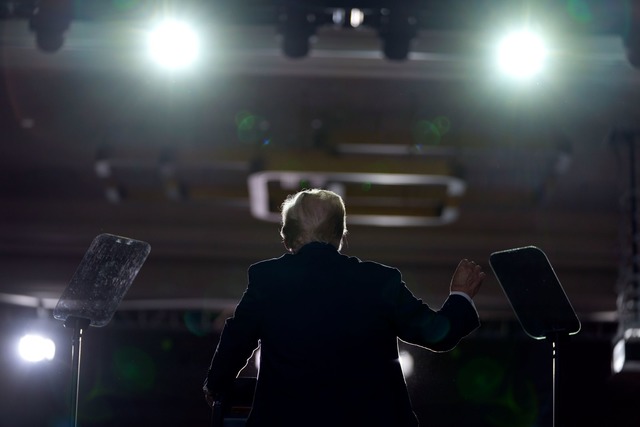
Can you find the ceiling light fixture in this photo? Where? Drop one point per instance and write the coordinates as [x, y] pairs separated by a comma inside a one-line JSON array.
[[296, 25], [173, 44], [521, 54], [397, 27]]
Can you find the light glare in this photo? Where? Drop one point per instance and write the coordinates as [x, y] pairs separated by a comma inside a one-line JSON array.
[[406, 363], [338, 16], [257, 355], [35, 348], [174, 44], [617, 362], [521, 54], [357, 18]]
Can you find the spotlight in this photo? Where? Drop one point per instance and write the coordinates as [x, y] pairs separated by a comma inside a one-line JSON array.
[[173, 44], [50, 20], [356, 18], [297, 25], [397, 29], [521, 54], [36, 348]]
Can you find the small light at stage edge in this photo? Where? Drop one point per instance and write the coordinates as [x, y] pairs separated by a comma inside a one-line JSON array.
[[521, 54], [36, 348]]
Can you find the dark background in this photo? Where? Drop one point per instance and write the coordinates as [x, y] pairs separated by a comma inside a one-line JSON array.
[[497, 377]]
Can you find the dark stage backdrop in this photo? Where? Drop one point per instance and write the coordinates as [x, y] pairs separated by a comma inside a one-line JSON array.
[[132, 376]]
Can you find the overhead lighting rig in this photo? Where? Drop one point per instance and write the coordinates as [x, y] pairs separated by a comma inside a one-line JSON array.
[[397, 26], [397, 23]]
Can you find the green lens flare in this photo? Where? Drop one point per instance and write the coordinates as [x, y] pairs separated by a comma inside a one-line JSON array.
[[579, 10], [134, 369], [480, 379], [426, 132], [443, 124]]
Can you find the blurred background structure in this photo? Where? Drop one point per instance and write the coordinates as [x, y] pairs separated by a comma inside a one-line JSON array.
[[185, 124]]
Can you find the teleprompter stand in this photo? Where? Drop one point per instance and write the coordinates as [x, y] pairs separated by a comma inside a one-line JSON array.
[[538, 300], [100, 282]]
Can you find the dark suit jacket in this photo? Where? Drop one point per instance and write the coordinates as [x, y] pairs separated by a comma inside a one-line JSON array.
[[328, 326]]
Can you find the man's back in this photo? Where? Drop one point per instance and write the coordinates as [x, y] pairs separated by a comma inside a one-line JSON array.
[[328, 342], [329, 327]]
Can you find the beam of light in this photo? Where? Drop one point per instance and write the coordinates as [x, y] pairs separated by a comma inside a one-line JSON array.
[[521, 54], [173, 44], [36, 348]]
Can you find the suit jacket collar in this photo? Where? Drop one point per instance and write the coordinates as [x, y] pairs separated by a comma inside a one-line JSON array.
[[317, 246]]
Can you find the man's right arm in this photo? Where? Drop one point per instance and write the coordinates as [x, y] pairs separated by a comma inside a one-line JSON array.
[[467, 278], [439, 330]]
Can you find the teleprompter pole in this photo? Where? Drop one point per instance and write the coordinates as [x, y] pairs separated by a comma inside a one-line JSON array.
[[78, 324]]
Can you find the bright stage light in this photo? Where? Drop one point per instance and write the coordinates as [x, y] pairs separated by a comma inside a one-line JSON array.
[[356, 18], [174, 44], [35, 348], [521, 54]]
